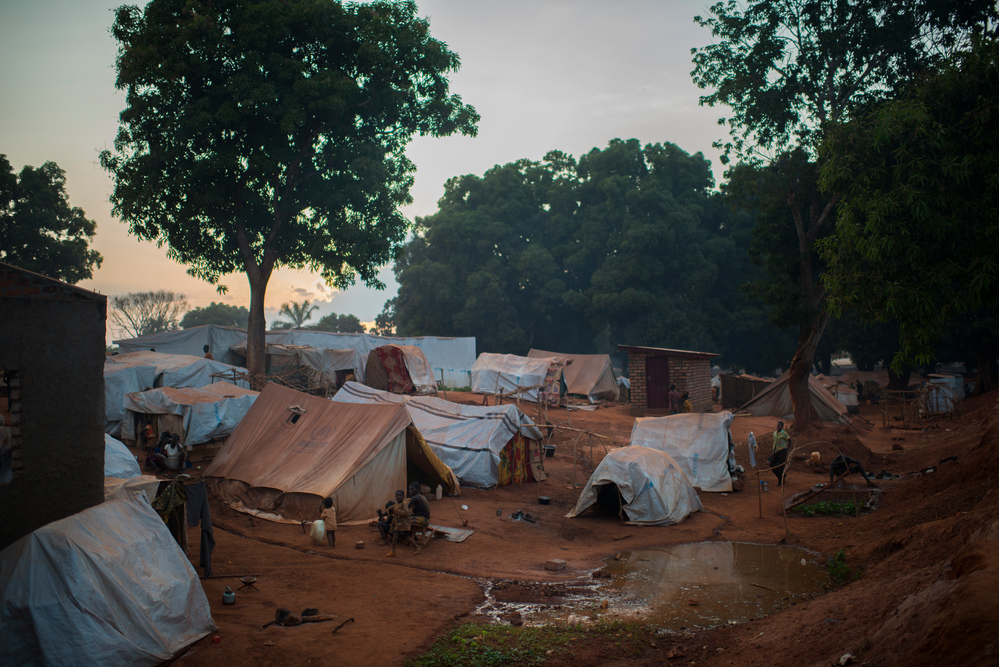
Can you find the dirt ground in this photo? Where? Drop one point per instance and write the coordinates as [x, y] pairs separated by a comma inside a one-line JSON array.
[[928, 557]]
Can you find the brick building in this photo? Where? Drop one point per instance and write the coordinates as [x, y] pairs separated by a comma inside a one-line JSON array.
[[52, 397], [651, 370]]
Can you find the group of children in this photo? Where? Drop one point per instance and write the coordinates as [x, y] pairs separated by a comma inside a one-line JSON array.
[[159, 452], [402, 519]]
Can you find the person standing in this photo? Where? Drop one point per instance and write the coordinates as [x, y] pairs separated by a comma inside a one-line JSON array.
[[420, 509], [685, 402], [778, 459], [674, 400], [328, 516], [401, 525]]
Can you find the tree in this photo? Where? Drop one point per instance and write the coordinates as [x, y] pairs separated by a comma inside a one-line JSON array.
[[339, 324], [920, 214], [790, 71], [273, 133], [39, 231], [217, 313], [297, 313], [385, 322], [139, 314]]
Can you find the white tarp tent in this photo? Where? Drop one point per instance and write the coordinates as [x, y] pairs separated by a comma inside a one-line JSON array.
[[476, 442], [653, 490], [505, 373], [776, 400], [107, 586], [121, 379], [698, 442], [198, 415], [118, 461], [591, 375], [450, 357], [178, 370], [190, 342]]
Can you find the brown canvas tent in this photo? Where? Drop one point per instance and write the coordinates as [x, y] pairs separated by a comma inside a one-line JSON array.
[[590, 375], [776, 400], [292, 450]]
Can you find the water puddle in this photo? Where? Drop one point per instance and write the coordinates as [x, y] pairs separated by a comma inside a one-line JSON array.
[[685, 587]]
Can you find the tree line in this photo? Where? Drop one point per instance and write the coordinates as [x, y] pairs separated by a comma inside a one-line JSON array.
[[859, 197]]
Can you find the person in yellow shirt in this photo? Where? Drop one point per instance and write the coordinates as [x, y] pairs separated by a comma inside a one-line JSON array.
[[328, 516], [685, 402], [778, 459]]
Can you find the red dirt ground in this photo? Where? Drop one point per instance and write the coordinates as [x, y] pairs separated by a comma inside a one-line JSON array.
[[928, 556]]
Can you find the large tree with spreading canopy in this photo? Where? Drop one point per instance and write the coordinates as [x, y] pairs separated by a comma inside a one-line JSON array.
[[268, 133], [789, 70]]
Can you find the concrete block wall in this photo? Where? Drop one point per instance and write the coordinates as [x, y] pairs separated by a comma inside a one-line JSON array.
[[52, 337]]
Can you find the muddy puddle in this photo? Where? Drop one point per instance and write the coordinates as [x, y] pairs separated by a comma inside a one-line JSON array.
[[685, 587]]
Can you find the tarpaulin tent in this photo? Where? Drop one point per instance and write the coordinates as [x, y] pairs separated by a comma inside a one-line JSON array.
[[737, 390], [536, 380], [591, 375], [320, 368], [776, 400], [399, 369], [107, 586], [118, 461], [485, 446], [196, 414], [179, 370], [698, 442], [646, 483], [190, 342], [449, 358], [121, 379], [292, 450]]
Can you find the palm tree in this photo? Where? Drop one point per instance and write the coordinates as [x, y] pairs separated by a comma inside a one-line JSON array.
[[298, 313]]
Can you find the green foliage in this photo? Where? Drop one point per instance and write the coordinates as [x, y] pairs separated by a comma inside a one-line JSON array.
[[827, 508], [39, 231], [627, 245], [920, 214], [273, 133], [839, 572], [339, 324], [139, 314], [474, 645], [217, 313], [297, 313]]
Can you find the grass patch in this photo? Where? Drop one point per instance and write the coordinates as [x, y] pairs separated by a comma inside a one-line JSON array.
[[826, 509], [476, 645]]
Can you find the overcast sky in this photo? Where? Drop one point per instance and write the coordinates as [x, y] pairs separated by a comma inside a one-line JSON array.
[[568, 75]]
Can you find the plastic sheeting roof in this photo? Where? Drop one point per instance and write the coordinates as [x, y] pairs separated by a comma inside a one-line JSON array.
[[698, 442], [506, 372], [176, 370], [467, 438], [451, 356], [654, 491], [591, 375], [350, 452], [208, 412], [323, 362], [107, 586], [776, 400], [121, 379], [118, 461], [190, 342]]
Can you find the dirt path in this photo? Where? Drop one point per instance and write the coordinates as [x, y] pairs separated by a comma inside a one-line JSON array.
[[400, 605]]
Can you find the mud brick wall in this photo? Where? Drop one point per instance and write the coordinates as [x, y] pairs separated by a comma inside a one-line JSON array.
[[694, 376], [688, 374], [52, 338]]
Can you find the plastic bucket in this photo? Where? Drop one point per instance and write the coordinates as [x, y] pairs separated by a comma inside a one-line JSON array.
[[173, 462], [549, 451]]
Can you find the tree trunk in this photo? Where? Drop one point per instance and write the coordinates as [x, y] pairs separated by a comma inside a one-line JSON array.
[[988, 373], [899, 381], [255, 330], [809, 335]]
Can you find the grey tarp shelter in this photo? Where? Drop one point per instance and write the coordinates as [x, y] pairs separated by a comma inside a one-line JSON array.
[[647, 484], [590, 375], [776, 400]]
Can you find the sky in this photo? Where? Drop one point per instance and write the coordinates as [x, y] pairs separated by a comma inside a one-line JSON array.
[[569, 75]]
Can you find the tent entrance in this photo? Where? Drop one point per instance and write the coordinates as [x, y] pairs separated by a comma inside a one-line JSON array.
[[609, 500]]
